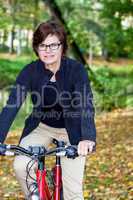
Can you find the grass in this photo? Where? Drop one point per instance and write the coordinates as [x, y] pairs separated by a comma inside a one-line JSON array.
[[10, 67]]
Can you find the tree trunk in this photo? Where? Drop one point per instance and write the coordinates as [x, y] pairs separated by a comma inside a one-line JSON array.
[[90, 54], [19, 42], [11, 49], [27, 38], [56, 13], [36, 5], [3, 38]]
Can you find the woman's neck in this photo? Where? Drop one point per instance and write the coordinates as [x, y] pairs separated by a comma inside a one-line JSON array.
[[54, 67]]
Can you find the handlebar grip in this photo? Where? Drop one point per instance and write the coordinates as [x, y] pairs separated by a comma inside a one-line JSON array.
[[71, 152]]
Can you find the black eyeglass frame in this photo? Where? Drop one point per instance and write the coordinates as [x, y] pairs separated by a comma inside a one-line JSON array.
[[50, 46]]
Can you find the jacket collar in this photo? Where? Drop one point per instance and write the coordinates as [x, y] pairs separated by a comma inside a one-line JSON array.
[[48, 74], [60, 75], [43, 69]]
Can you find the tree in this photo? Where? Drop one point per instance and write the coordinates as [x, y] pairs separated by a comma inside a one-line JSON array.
[[112, 15], [18, 16]]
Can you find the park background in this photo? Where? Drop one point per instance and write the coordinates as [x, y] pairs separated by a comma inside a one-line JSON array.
[[100, 35]]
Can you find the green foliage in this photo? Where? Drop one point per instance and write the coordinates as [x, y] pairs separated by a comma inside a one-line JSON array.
[[22, 13], [93, 24], [10, 68], [99, 24], [118, 88], [117, 36], [17, 21]]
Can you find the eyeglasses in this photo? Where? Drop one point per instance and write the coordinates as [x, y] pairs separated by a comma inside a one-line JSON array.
[[52, 46]]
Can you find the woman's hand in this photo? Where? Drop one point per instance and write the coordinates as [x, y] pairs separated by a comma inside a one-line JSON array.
[[85, 146]]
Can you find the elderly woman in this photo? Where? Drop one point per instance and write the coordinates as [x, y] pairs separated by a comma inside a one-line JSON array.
[[62, 107]]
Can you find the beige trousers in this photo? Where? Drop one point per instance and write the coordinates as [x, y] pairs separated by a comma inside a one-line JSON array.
[[72, 169]]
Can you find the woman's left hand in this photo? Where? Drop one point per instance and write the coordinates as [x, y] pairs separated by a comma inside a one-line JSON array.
[[85, 146]]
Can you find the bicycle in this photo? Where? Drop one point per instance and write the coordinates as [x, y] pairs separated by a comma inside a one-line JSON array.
[[40, 189]]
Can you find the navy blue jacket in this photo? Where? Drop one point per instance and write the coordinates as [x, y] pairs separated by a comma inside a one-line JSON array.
[[75, 98]]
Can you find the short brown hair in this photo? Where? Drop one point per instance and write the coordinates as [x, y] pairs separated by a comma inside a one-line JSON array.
[[46, 28]]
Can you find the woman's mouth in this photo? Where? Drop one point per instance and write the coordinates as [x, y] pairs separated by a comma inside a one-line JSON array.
[[49, 56]]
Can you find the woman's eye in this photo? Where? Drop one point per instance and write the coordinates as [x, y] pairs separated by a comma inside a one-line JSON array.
[[42, 45], [53, 45]]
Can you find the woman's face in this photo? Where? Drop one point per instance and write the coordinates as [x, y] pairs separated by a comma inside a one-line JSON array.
[[50, 50]]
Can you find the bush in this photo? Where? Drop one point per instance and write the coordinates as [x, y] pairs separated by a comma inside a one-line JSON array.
[[10, 68], [118, 88]]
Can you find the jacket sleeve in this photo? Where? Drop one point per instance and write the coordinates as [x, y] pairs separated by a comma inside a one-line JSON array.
[[16, 98], [84, 105]]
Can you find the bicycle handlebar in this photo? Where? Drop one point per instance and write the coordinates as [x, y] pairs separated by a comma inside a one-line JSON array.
[[38, 151]]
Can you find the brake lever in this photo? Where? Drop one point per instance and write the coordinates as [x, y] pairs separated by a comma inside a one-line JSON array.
[[71, 152]]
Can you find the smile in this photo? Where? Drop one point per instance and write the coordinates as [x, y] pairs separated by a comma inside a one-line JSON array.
[[49, 56]]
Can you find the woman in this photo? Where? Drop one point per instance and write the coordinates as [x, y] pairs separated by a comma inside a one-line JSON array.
[[62, 106]]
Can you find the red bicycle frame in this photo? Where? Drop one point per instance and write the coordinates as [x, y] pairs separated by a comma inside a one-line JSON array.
[[43, 188], [43, 191]]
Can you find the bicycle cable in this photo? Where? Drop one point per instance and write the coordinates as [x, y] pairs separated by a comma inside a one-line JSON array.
[[28, 169]]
